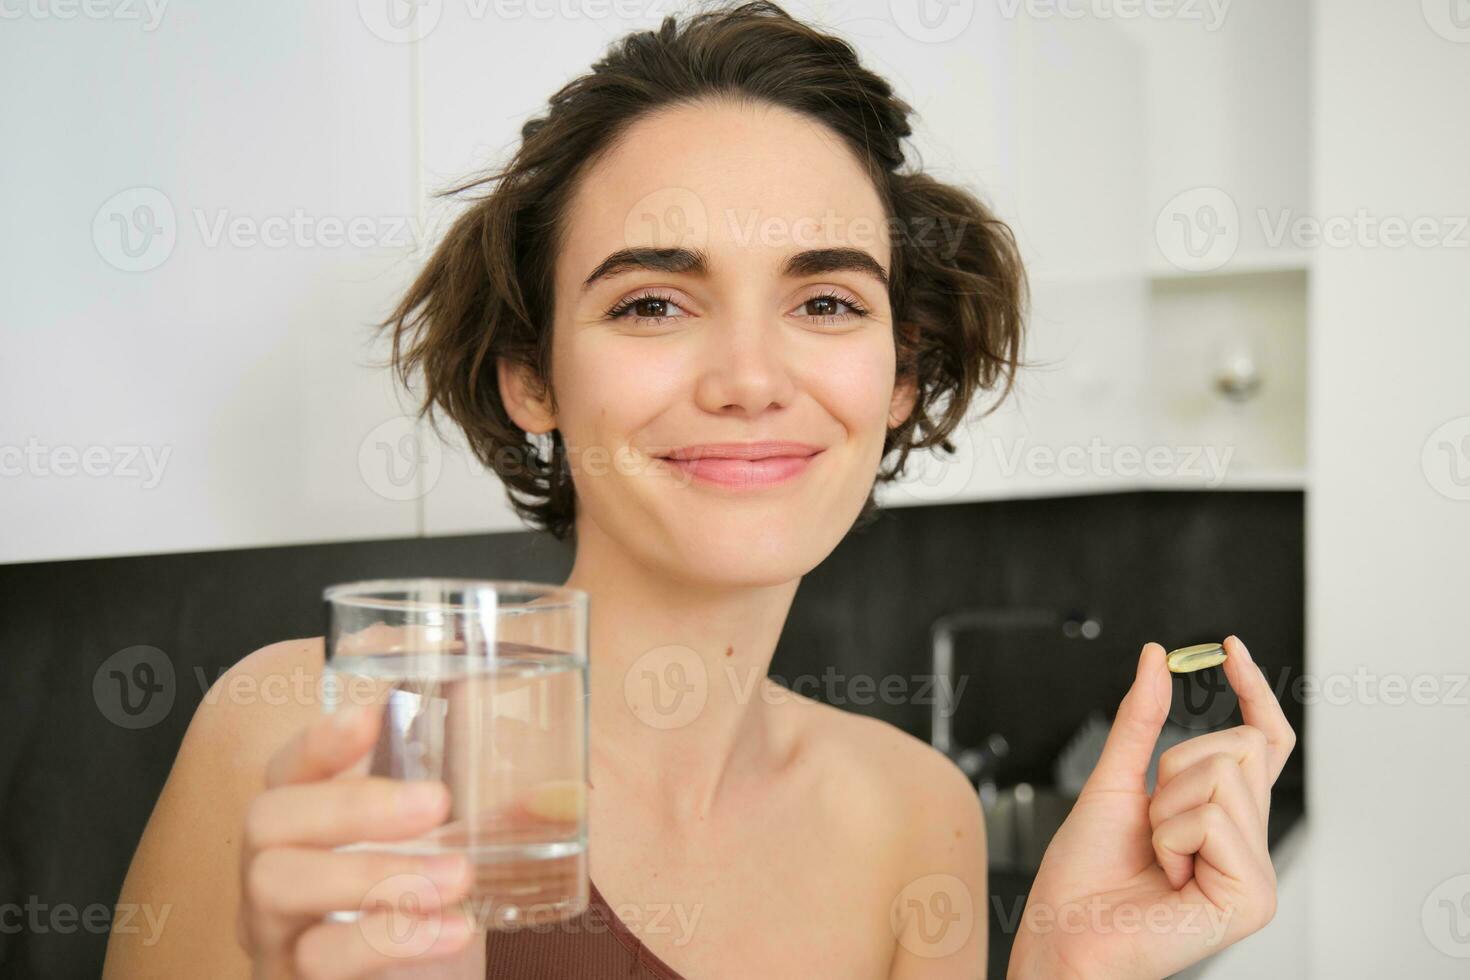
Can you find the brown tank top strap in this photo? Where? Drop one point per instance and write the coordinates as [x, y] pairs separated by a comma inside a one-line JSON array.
[[596, 945]]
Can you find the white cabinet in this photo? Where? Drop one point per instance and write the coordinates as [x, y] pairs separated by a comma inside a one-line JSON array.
[[482, 75], [204, 214], [1159, 179], [1070, 112], [214, 208]]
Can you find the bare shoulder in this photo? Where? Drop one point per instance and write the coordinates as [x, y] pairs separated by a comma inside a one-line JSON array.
[[888, 770], [254, 708], [928, 824], [187, 861], [266, 696]]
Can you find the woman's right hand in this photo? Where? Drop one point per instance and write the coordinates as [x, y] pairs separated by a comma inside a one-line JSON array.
[[291, 877]]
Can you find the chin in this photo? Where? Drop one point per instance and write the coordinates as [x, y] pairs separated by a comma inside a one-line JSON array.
[[722, 546], [715, 538], [732, 569]]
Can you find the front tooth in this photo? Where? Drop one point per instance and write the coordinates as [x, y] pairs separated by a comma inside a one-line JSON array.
[[1197, 657]]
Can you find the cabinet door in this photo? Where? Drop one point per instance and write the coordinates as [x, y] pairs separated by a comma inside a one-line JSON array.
[[485, 71], [207, 210], [1048, 122]]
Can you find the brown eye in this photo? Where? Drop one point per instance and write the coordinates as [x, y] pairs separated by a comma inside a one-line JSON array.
[[644, 309], [830, 307]]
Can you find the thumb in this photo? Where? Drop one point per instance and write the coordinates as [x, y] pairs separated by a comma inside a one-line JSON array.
[[1123, 764]]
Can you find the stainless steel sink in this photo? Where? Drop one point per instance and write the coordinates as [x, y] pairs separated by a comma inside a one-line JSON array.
[[1019, 823]]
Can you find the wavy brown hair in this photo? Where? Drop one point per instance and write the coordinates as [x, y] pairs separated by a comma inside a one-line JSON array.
[[487, 290]]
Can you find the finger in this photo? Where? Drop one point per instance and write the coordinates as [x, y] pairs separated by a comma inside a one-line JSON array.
[[1205, 845], [336, 812], [1124, 761], [378, 941], [292, 882], [1243, 743], [327, 746], [1258, 705], [1215, 779]]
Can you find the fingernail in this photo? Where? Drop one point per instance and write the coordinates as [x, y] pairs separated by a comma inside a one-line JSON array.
[[1142, 661], [1244, 649], [419, 798]]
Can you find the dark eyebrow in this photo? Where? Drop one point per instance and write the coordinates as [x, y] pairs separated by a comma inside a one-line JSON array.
[[695, 261], [818, 260]]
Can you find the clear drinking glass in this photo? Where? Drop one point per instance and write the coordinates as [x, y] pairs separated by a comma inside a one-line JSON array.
[[482, 684]]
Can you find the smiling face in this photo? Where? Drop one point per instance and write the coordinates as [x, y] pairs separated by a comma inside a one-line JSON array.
[[772, 323]]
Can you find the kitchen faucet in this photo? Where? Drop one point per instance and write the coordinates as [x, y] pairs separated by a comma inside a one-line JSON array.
[[980, 763]]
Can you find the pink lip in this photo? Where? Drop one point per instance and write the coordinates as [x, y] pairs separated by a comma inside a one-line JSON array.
[[747, 465]]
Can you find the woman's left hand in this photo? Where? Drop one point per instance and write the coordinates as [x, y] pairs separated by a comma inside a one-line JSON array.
[[1139, 886]]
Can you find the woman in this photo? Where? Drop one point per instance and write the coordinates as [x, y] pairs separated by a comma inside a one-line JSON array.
[[708, 261]]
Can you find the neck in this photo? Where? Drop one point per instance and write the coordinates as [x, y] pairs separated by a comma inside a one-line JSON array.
[[677, 675]]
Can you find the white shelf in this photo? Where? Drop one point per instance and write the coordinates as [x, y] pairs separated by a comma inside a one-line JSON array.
[[1276, 260], [1034, 488]]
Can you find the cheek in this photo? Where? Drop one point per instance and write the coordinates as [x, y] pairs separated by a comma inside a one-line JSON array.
[[609, 388], [854, 383]]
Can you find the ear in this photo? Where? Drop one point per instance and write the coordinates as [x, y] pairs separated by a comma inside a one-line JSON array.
[[525, 400], [905, 395], [906, 388]]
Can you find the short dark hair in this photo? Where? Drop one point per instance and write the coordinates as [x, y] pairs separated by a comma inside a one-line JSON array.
[[487, 290]]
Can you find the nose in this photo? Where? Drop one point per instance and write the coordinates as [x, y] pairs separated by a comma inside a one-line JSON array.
[[747, 367]]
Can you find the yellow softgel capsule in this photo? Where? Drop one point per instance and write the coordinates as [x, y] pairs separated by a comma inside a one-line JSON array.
[[560, 800], [1197, 657]]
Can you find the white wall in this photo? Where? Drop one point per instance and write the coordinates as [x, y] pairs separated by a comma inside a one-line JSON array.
[[242, 369], [240, 366], [1388, 521]]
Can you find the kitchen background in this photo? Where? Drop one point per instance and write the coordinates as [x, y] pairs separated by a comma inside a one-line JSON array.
[[1248, 410]]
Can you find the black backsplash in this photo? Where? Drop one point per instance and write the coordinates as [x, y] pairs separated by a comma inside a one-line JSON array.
[[1174, 566], [1170, 566]]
